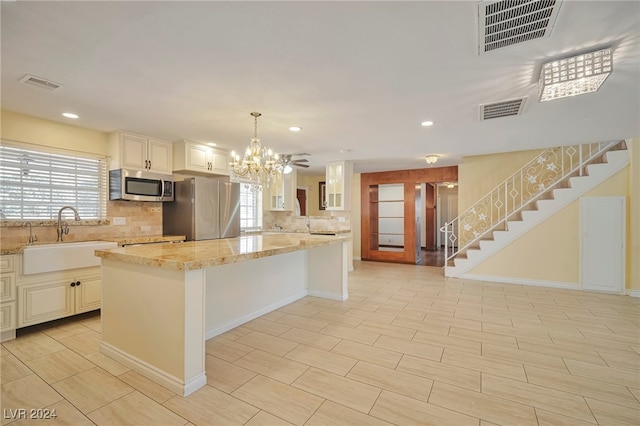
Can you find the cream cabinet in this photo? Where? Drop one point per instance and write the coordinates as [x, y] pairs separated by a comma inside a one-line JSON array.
[[138, 152], [7, 297], [338, 185], [191, 156], [50, 296], [281, 193]]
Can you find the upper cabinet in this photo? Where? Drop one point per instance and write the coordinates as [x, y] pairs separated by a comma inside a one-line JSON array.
[[133, 151], [281, 193], [194, 157], [338, 185]]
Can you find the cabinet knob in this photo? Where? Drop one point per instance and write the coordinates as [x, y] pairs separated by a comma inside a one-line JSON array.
[[73, 284], [78, 283]]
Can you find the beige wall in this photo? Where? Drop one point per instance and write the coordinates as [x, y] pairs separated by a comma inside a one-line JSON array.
[[141, 218], [24, 128], [311, 183], [479, 174], [550, 251]]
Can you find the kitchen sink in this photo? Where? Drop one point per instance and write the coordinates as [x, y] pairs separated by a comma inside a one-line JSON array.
[[41, 258]]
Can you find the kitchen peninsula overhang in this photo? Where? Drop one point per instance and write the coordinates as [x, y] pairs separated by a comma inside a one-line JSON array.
[[192, 255]]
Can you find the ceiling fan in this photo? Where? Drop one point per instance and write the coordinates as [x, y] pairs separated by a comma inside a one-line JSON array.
[[288, 160]]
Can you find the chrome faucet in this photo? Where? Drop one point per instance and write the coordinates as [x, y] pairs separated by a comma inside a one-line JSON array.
[[64, 230], [32, 238]]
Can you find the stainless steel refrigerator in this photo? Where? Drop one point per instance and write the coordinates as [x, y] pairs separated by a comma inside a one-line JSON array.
[[204, 208]]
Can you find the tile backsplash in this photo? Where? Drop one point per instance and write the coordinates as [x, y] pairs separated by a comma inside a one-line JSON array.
[[288, 221], [141, 218]]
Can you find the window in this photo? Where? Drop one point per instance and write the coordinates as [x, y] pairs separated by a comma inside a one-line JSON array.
[[250, 207], [35, 184]]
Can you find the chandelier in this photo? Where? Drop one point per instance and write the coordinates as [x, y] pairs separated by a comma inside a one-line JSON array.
[[431, 159], [260, 165]]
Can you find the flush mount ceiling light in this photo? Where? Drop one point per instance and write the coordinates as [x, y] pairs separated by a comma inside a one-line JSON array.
[[259, 165], [295, 128], [426, 123], [576, 75], [70, 115], [211, 143], [431, 159]]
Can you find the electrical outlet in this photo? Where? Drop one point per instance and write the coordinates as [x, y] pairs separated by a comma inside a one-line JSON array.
[[119, 220]]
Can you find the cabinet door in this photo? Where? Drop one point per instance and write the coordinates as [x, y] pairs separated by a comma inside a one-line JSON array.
[[159, 154], [276, 193], [7, 316], [7, 286], [197, 158], [44, 302], [88, 293], [220, 163], [133, 152], [335, 179]]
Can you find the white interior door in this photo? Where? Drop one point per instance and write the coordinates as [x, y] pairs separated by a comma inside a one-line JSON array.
[[602, 232]]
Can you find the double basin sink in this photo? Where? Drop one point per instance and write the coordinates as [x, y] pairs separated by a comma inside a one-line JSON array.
[[41, 258]]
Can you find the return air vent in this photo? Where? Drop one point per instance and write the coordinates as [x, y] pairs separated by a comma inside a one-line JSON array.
[[39, 82], [502, 109], [508, 22]]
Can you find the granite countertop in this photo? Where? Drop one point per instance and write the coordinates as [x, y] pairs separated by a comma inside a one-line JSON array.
[[203, 254], [17, 249], [145, 239]]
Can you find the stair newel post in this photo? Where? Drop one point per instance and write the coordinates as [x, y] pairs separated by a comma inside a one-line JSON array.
[[506, 207], [580, 158], [446, 243]]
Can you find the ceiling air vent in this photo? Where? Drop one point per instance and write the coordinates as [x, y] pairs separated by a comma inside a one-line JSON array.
[[39, 82], [502, 109], [508, 22]]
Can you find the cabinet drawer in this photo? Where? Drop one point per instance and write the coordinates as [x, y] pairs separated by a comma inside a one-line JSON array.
[[7, 287], [7, 263], [7, 316]]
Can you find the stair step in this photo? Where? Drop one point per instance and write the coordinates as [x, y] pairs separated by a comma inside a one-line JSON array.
[[549, 202]]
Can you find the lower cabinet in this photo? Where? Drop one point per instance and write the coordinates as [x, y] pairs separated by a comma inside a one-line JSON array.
[[7, 297], [46, 297]]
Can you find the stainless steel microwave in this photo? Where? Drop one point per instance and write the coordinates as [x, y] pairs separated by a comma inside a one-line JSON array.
[[136, 185]]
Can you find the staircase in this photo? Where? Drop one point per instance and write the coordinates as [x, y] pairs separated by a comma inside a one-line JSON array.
[[543, 187]]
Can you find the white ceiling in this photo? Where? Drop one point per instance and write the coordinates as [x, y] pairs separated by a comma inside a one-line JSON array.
[[357, 76]]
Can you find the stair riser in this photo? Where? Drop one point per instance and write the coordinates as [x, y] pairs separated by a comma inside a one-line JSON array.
[[562, 197]]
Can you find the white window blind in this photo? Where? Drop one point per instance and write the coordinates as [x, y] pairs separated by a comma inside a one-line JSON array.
[[35, 184], [250, 207]]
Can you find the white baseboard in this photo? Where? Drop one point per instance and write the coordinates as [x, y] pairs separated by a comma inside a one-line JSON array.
[[357, 258], [330, 296], [522, 281], [633, 293], [7, 335], [149, 371], [246, 318]]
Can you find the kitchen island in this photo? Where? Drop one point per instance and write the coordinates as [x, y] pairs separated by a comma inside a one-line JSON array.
[[160, 302]]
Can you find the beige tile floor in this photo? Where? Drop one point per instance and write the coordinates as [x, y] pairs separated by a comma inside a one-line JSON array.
[[407, 348]]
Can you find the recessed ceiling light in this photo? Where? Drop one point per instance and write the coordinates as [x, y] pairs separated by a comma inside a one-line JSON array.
[[70, 115], [295, 128], [211, 143], [426, 123], [345, 151]]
